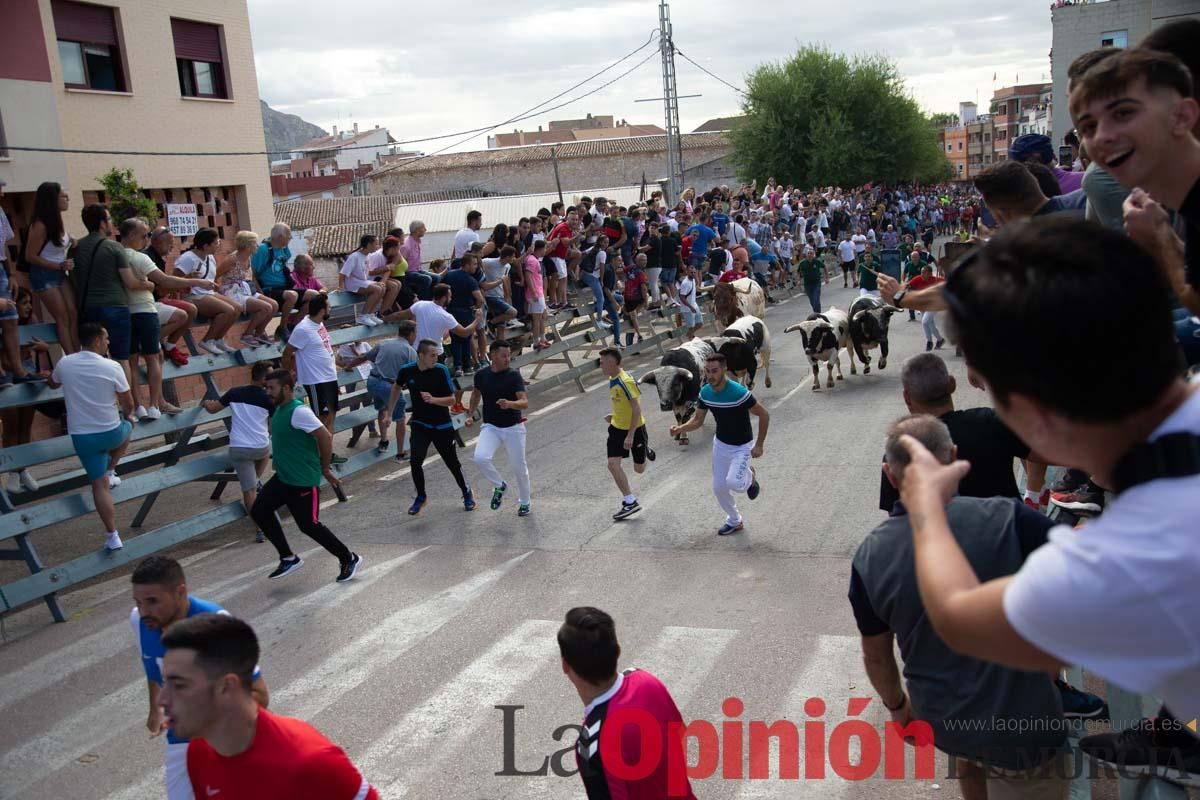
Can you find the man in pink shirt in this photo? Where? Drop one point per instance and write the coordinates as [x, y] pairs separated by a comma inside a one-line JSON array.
[[615, 707], [417, 278], [535, 297]]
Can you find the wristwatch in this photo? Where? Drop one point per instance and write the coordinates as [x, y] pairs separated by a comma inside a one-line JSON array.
[[898, 297]]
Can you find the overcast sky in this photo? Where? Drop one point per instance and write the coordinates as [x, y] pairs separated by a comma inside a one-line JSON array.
[[428, 68]]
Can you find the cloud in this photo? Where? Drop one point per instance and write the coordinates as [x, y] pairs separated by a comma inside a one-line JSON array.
[[424, 69]]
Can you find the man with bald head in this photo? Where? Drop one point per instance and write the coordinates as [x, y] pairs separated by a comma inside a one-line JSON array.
[[270, 265]]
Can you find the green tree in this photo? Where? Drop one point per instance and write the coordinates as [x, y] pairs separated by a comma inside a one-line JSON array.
[[125, 198], [821, 118], [941, 120]]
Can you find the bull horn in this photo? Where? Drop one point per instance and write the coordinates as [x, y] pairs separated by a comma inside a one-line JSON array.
[[791, 328], [686, 374], [650, 378]]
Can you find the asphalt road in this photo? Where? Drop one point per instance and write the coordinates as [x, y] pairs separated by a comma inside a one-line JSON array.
[[454, 613]]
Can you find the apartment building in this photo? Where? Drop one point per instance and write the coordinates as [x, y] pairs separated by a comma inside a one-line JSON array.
[[129, 75]]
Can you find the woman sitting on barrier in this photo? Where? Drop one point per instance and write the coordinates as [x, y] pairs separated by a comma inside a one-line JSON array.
[[236, 279], [199, 261]]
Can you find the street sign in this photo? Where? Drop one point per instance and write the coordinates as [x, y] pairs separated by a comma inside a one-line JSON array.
[[183, 219]]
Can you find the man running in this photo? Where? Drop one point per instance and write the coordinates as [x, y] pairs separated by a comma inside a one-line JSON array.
[[431, 391], [301, 449], [731, 405], [309, 354], [849, 261], [386, 360], [587, 643], [238, 749], [503, 391], [626, 429], [161, 598]]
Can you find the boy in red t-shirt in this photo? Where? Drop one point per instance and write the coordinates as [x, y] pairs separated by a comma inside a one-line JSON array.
[[924, 281]]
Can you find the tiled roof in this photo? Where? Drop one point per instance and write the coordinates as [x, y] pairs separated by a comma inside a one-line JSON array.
[[330, 241], [302, 214], [719, 124], [332, 142], [592, 148]]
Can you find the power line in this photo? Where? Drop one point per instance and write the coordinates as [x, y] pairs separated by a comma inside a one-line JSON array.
[[524, 114], [709, 74], [533, 111]]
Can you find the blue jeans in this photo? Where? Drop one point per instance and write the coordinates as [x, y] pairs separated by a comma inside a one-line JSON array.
[[421, 284], [813, 290], [115, 320], [460, 346], [602, 302]]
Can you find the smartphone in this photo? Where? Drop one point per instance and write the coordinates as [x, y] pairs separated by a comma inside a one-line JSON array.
[[1065, 157], [985, 216]]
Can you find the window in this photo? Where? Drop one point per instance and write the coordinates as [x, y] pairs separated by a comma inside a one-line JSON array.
[[1114, 39], [198, 59], [88, 46], [960, 145], [987, 137]]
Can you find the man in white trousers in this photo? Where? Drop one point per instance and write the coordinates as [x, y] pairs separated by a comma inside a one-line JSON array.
[[504, 401], [731, 405]]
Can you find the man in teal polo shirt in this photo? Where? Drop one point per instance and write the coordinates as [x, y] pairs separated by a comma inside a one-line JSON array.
[[301, 449]]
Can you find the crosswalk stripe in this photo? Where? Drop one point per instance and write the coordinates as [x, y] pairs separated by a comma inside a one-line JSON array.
[[53, 668], [353, 663], [94, 724], [834, 665], [419, 743]]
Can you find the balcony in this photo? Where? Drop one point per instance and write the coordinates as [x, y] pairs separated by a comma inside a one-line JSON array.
[[978, 148]]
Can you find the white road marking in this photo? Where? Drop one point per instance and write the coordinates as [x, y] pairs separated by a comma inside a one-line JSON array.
[[833, 672], [790, 394], [99, 721], [408, 752], [54, 667]]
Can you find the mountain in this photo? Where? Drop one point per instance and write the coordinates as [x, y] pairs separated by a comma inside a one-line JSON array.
[[285, 131]]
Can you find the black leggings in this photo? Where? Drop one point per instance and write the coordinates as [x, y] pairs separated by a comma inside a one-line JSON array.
[[419, 439], [303, 502]]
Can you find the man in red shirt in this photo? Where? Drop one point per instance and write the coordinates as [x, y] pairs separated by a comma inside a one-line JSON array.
[[923, 281], [239, 751], [558, 245], [616, 705]]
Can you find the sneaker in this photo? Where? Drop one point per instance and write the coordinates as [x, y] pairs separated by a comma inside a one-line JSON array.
[[250, 341], [211, 347], [415, 508], [627, 510], [498, 495], [468, 500], [382, 447], [350, 568], [1071, 480], [754, 490], [524, 510], [940, 344], [1089, 498], [286, 567], [178, 356], [401, 457], [650, 454], [730, 527], [27, 480], [514, 323], [458, 408], [140, 412], [1147, 749], [152, 413], [1078, 704], [113, 480], [603, 323], [223, 346], [169, 408], [336, 459], [13, 485], [112, 541], [259, 537], [458, 372], [928, 345]]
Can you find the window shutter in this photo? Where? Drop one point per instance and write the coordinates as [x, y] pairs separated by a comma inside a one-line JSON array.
[[196, 41], [83, 22]]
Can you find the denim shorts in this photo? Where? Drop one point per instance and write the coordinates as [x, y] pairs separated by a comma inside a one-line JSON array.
[[381, 392], [5, 294], [115, 320], [93, 448], [667, 275], [41, 279], [143, 333]]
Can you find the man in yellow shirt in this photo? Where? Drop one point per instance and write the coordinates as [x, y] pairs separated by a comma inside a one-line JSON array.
[[626, 429]]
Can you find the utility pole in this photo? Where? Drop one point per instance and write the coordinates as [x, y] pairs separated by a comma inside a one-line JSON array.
[[670, 106]]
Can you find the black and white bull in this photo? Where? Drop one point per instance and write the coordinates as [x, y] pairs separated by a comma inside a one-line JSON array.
[[678, 379], [869, 320], [824, 335], [740, 359], [754, 331]]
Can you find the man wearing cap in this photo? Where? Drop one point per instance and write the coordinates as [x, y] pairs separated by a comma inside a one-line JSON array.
[[1036, 147]]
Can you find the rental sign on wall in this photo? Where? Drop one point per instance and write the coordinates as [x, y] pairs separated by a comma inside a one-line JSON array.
[[183, 219]]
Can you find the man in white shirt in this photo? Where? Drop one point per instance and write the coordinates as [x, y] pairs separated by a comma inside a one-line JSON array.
[[860, 243], [434, 322], [93, 387], [468, 235], [309, 356], [848, 259], [1118, 597]]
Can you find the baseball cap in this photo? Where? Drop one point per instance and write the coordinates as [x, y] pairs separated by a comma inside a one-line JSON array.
[[1032, 144]]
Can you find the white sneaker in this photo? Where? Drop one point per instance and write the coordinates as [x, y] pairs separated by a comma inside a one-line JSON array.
[[603, 323], [150, 413], [27, 481], [14, 484], [211, 347], [226, 348], [376, 319], [113, 480], [514, 323], [140, 412], [112, 541]]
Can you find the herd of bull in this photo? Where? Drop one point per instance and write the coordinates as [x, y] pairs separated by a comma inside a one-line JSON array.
[[746, 344]]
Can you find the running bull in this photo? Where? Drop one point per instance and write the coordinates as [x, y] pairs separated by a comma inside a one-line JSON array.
[[678, 379], [824, 335], [869, 320]]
